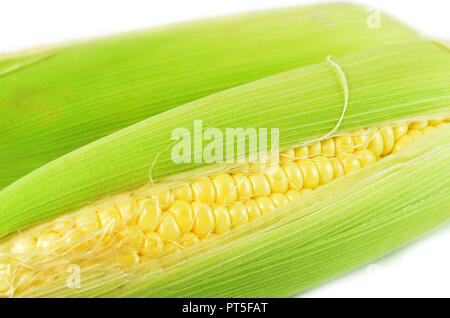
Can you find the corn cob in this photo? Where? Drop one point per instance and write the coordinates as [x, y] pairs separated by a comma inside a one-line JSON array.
[[228, 209], [118, 81]]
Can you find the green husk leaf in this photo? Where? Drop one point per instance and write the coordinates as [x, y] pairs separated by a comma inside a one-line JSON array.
[[385, 84], [328, 232], [55, 100]]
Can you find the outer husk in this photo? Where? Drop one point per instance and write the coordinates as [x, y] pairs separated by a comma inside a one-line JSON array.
[[385, 85], [58, 99]]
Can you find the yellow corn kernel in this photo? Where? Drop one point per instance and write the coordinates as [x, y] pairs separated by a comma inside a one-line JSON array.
[[402, 142], [203, 190], [168, 228], [48, 240], [360, 140], [222, 219], [108, 217], [153, 245], [328, 147], [315, 148], [375, 143], [387, 133], [349, 163], [225, 188], [287, 155], [265, 204], [129, 259], [414, 133], [325, 167], [338, 170], [301, 152], [310, 173], [366, 157], [253, 210], [150, 215], [87, 223], [243, 185], [189, 239], [133, 236], [163, 198], [418, 124], [292, 195], [279, 199], [183, 215], [204, 219], [278, 180], [294, 175], [400, 131], [183, 193], [260, 185], [344, 144], [238, 215]]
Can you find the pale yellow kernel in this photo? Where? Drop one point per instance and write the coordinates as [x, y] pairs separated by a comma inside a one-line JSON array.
[[253, 210], [23, 244], [163, 198], [129, 259], [168, 228], [189, 239], [387, 133], [153, 244], [150, 214], [183, 215], [366, 157], [171, 247], [294, 175], [278, 180], [325, 167], [402, 142], [87, 222], [204, 219], [310, 173], [48, 240], [238, 215], [292, 195], [222, 219], [265, 204], [73, 239], [344, 144], [127, 212], [62, 226], [287, 155], [338, 170], [419, 125], [315, 148], [360, 140], [400, 130], [183, 193], [133, 236], [414, 133], [349, 163], [427, 129], [260, 184], [225, 188], [306, 191], [376, 143], [109, 217], [328, 147], [279, 199], [203, 190], [435, 122], [301, 152], [244, 186]]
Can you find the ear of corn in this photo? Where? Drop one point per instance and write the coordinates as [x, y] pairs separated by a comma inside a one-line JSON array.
[[330, 230], [58, 99]]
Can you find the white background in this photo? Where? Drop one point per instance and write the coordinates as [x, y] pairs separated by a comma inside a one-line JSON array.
[[421, 269]]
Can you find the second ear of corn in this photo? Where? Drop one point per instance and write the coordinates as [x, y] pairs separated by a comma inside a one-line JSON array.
[[140, 229]]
